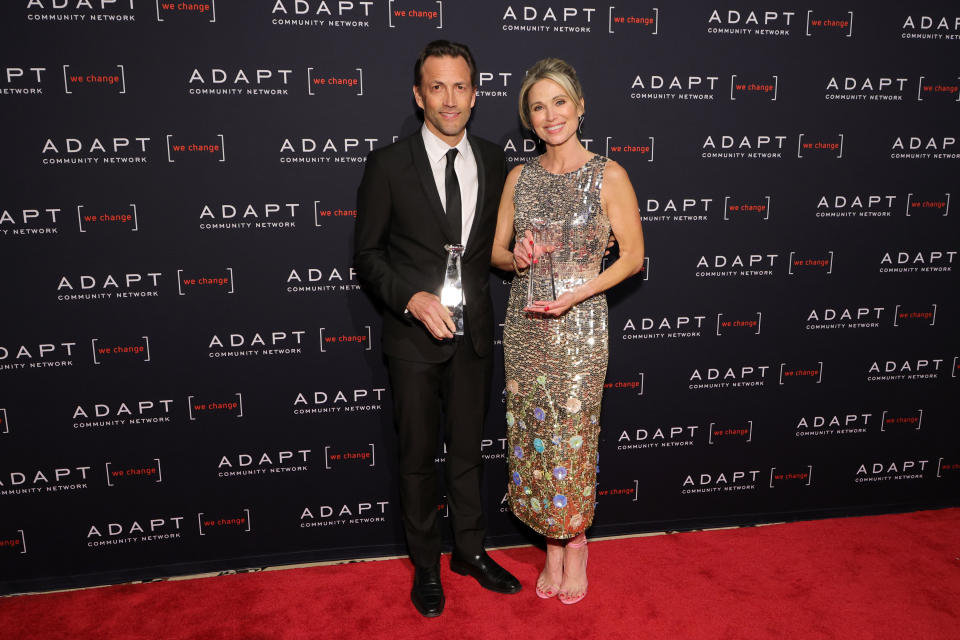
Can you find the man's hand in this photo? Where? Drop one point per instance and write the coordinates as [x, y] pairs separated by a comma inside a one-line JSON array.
[[426, 308], [612, 241]]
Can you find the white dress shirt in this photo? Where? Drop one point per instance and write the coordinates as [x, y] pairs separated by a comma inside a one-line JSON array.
[[466, 168]]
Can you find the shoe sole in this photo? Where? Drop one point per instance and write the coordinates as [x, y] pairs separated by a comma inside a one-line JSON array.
[[572, 600]]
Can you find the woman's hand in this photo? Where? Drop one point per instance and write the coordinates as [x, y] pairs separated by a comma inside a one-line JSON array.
[[526, 252], [556, 307], [523, 251]]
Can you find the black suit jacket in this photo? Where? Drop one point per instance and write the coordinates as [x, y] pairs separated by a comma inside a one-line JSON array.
[[401, 229]]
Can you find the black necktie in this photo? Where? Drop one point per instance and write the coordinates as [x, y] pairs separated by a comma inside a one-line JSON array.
[[453, 196]]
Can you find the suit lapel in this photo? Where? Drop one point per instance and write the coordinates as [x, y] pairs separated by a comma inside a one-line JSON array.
[[422, 163], [481, 187]]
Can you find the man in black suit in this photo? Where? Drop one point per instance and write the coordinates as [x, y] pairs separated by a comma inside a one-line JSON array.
[[436, 188]]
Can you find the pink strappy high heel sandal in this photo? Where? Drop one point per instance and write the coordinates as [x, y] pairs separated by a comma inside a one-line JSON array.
[[566, 599], [552, 591], [546, 595]]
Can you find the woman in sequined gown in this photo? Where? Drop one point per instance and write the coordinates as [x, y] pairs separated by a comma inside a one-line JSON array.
[[555, 351]]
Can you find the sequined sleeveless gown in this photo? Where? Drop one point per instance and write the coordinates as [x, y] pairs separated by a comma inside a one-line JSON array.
[[555, 367]]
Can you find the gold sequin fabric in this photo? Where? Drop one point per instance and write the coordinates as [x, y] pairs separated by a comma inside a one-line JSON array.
[[555, 367]]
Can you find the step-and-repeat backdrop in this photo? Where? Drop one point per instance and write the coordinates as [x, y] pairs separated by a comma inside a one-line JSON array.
[[191, 377]]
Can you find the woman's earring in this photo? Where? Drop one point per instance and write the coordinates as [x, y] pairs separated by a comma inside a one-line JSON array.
[[580, 125]]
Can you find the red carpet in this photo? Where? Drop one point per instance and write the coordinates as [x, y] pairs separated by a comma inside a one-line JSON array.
[[879, 577]]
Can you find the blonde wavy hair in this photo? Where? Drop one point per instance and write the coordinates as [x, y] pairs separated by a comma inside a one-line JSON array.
[[549, 69]]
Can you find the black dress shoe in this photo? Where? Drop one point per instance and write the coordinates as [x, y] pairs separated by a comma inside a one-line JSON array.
[[427, 592], [488, 573]]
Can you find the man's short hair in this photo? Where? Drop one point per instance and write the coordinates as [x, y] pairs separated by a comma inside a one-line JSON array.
[[444, 48]]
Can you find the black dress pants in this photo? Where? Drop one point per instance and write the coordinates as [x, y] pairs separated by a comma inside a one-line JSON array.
[[427, 397]]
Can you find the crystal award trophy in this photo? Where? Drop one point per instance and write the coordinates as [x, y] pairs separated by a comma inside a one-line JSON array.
[[540, 282], [451, 296]]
